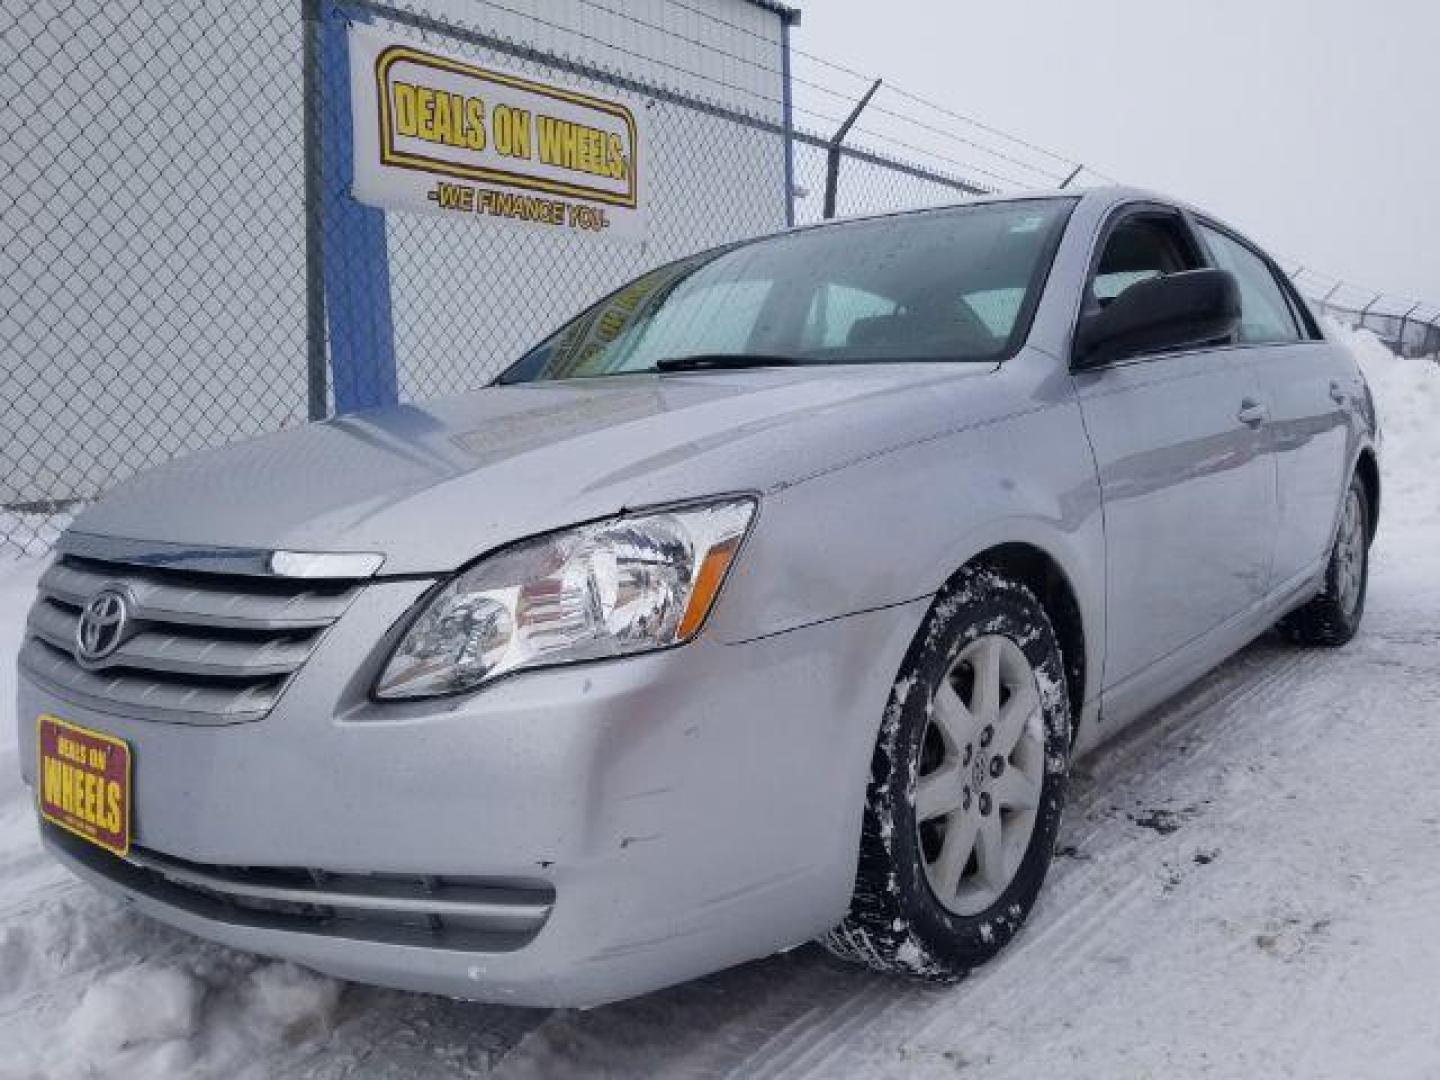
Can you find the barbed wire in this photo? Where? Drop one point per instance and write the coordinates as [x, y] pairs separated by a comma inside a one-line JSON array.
[[962, 165], [830, 91], [777, 103]]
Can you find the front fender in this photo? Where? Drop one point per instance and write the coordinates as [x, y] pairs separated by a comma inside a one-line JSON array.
[[896, 526]]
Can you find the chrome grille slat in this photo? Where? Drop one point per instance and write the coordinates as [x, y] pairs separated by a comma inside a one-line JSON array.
[[200, 648], [178, 654], [52, 625], [146, 698], [195, 605]]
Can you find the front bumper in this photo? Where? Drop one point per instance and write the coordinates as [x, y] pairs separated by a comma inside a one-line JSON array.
[[676, 813]]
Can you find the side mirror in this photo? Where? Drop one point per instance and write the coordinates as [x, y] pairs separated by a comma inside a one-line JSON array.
[[1171, 312]]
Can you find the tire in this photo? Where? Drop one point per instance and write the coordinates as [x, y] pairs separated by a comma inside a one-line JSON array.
[[904, 916], [1333, 617]]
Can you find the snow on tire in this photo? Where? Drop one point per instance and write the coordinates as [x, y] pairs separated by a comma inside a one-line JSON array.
[[1333, 617], [967, 785]]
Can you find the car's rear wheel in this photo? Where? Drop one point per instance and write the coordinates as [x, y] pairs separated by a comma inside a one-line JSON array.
[[966, 787], [1333, 617]]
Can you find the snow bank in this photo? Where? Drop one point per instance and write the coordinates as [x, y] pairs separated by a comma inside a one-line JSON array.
[[135, 1007], [17, 586], [1407, 397]]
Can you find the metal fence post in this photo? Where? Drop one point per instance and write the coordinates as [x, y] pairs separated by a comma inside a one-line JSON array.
[[1405, 322], [1325, 300], [356, 259], [787, 121], [317, 405], [1365, 311], [832, 149]]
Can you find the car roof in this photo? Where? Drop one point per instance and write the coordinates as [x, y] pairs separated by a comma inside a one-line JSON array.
[[1108, 194], [1101, 198]]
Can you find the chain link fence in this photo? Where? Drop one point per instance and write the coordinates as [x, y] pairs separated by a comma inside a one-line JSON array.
[[868, 182], [152, 261], [167, 264], [1407, 327], [163, 260]]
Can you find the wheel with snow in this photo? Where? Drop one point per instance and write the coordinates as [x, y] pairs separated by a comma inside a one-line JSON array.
[[1333, 617], [966, 788]]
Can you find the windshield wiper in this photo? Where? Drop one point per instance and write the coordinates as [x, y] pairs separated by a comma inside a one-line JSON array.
[[723, 362]]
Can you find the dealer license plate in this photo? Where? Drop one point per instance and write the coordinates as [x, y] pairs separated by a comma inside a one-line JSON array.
[[83, 782]]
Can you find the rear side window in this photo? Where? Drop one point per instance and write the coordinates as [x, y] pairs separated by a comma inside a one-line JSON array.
[[1266, 316]]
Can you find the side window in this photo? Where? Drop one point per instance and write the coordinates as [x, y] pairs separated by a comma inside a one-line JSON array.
[[1265, 312], [1140, 247], [834, 311]]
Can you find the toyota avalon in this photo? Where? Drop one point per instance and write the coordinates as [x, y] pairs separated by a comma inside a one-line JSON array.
[[769, 599]]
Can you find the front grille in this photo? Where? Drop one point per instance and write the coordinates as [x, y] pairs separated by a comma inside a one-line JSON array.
[[438, 912], [200, 648]]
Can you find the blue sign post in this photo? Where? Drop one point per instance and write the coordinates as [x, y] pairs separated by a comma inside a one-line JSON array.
[[355, 260]]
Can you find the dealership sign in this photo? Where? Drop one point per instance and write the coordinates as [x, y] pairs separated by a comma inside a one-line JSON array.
[[438, 133]]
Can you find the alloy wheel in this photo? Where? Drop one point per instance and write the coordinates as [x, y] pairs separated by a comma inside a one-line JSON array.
[[982, 768], [1350, 554]]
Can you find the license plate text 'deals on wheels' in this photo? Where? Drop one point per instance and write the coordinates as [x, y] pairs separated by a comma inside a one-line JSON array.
[[83, 782]]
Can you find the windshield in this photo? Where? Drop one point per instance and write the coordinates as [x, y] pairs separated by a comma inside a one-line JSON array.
[[952, 285]]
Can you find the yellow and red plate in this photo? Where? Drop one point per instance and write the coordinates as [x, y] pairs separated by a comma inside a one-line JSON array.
[[82, 782]]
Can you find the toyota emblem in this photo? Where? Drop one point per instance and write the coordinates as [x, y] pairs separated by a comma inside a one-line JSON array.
[[102, 626]]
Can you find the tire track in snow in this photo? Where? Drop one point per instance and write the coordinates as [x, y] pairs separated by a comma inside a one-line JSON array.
[[1078, 908], [1080, 930], [1227, 712]]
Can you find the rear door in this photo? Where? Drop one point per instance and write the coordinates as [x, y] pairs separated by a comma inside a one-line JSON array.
[[1306, 382], [1189, 497]]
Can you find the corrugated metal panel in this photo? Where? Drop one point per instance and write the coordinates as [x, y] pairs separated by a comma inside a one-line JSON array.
[[726, 51]]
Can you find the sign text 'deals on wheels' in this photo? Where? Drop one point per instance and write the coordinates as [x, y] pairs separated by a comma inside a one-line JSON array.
[[435, 132]]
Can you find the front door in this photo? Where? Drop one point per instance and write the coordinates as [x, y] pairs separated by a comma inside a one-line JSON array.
[[1188, 491]]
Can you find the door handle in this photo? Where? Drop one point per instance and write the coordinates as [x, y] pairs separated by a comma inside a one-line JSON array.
[[1252, 412], [1337, 392]]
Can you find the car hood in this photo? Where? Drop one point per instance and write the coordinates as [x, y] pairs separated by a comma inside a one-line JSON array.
[[431, 486]]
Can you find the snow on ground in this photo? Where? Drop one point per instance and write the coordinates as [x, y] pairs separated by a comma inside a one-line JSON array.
[[1248, 885]]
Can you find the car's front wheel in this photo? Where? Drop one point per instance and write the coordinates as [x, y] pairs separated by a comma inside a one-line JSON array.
[[966, 787]]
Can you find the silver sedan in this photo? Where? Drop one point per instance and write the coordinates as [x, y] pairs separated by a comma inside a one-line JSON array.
[[769, 599]]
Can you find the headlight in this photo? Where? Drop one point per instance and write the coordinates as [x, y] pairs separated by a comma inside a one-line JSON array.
[[626, 585]]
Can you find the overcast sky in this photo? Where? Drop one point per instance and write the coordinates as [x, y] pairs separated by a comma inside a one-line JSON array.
[[1310, 124]]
